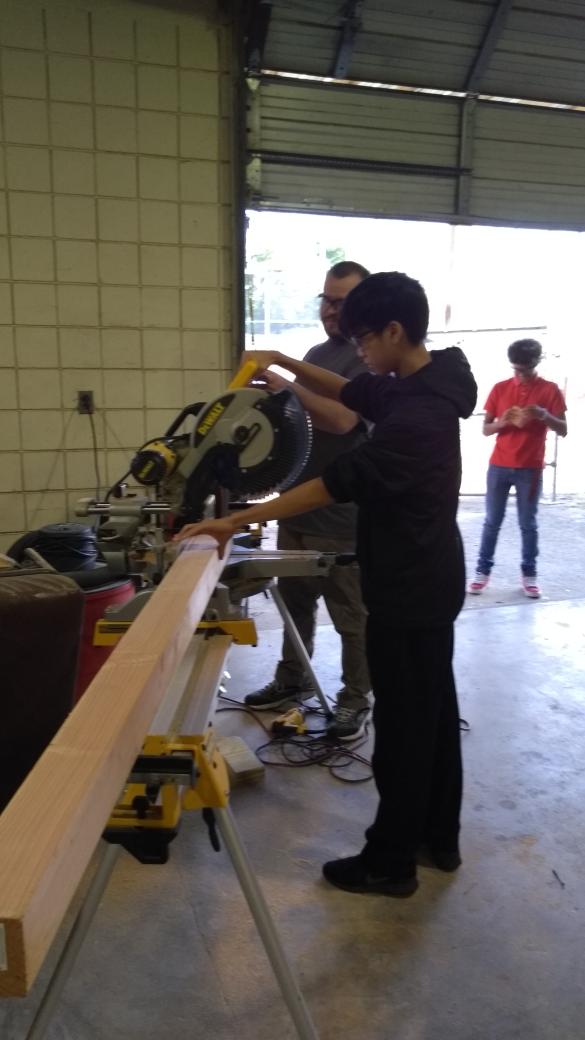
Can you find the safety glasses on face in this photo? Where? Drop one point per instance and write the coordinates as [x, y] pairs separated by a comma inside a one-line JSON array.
[[327, 302], [359, 338]]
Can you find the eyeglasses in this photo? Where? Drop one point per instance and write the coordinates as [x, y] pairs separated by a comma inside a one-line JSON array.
[[358, 339], [328, 301]]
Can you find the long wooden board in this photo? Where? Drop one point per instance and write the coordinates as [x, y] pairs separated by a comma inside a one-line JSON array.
[[50, 829]]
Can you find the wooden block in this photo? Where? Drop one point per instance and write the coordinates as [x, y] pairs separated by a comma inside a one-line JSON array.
[[243, 766], [51, 827]]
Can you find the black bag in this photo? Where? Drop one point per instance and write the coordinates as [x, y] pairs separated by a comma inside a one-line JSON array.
[[41, 615]]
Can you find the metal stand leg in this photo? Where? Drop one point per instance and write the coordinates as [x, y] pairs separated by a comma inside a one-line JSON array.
[[301, 650], [284, 975], [75, 939]]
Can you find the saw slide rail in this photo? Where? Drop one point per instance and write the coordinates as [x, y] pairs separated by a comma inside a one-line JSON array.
[[51, 827]]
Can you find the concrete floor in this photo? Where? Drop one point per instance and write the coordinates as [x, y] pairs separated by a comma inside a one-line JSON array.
[[493, 953]]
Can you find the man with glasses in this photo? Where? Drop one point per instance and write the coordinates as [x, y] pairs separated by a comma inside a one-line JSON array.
[[519, 411], [336, 429], [405, 481]]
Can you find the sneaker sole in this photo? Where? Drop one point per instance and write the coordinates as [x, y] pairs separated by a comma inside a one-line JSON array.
[[272, 705], [531, 595], [292, 698], [424, 859], [348, 737], [398, 890]]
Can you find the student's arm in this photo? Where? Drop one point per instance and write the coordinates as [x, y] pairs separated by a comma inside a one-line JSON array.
[[558, 423], [311, 495], [508, 419], [492, 425], [512, 417], [312, 377], [330, 416]]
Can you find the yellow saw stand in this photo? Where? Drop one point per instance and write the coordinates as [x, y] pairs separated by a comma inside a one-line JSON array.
[[173, 773]]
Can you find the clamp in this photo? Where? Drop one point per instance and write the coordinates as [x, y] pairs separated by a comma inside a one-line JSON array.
[[168, 776]]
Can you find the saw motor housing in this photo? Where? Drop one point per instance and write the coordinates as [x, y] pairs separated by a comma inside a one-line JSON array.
[[248, 441]]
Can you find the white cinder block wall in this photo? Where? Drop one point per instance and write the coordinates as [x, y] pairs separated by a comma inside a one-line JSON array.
[[116, 223]]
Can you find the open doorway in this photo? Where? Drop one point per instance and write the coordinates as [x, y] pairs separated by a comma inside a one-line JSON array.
[[487, 286]]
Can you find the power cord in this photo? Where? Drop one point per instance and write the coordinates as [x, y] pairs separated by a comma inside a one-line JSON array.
[[98, 480], [314, 748]]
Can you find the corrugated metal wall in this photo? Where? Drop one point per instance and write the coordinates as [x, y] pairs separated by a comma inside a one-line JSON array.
[[330, 147], [350, 151]]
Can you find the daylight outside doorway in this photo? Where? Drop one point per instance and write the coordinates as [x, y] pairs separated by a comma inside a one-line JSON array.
[[487, 286]]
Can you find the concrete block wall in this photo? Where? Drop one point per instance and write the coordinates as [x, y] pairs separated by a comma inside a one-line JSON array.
[[116, 230]]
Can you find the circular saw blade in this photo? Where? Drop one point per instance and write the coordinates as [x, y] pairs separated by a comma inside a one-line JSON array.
[[293, 438]]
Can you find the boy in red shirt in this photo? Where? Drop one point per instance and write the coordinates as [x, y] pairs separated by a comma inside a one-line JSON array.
[[519, 411]]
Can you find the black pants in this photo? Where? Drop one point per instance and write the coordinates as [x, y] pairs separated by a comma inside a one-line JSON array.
[[417, 749]]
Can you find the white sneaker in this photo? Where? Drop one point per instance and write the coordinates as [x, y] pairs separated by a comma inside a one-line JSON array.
[[530, 586]]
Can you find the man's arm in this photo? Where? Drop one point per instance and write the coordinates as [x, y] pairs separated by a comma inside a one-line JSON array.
[[313, 378], [557, 423], [492, 425], [311, 495], [330, 416]]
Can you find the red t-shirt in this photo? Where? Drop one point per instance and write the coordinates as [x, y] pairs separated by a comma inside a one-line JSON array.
[[523, 448]]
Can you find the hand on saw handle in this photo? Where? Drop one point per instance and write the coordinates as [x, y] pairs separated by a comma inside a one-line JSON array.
[[262, 359]]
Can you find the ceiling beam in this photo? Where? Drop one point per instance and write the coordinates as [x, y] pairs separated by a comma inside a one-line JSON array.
[[488, 45], [257, 34], [351, 25], [469, 107]]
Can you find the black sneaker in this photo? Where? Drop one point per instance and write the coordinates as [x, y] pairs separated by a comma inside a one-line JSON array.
[[274, 694], [447, 860], [353, 875], [348, 723]]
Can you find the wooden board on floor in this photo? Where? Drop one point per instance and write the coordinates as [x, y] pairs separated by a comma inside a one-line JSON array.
[[243, 765], [51, 827]]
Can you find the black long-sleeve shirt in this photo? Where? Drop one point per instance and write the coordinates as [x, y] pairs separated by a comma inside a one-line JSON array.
[[405, 481]]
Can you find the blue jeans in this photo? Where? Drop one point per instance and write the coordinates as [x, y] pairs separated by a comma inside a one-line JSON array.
[[528, 484]]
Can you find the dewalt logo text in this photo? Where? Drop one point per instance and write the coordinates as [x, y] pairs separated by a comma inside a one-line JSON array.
[[210, 419]]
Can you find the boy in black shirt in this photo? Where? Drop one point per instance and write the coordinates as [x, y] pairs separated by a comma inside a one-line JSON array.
[[405, 481]]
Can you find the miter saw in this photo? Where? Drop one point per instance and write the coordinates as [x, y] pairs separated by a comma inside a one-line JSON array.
[[246, 443]]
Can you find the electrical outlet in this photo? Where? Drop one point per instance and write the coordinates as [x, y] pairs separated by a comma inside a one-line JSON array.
[[85, 402]]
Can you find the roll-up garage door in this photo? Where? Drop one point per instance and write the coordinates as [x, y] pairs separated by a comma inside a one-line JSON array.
[[422, 141]]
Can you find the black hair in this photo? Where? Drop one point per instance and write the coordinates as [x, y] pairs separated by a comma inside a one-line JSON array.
[[382, 298], [346, 267], [525, 352]]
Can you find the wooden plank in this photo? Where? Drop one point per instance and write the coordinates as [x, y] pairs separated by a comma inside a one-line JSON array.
[[51, 827], [243, 765]]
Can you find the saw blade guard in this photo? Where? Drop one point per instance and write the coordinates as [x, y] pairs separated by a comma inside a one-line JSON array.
[[254, 442]]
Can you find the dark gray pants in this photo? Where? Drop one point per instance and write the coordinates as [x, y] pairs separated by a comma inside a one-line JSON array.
[[342, 594]]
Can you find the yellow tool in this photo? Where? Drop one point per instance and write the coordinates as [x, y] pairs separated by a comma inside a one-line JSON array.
[[292, 722], [168, 776], [242, 630]]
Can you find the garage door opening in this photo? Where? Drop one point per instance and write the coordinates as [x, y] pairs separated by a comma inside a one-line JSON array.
[[487, 286]]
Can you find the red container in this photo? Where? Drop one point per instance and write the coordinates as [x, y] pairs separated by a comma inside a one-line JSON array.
[[91, 657]]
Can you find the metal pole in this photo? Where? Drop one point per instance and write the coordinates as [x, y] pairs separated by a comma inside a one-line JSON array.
[[300, 648], [554, 464], [74, 942], [289, 986]]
